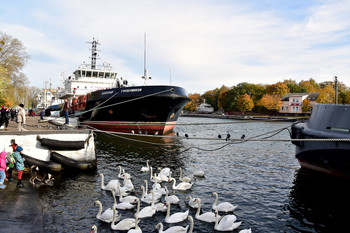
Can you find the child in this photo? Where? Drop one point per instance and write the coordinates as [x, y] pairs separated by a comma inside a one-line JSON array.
[[19, 164], [10, 161], [2, 169]]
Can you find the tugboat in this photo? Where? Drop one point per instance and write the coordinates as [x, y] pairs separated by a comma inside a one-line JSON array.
[[329, 125], [116, 106]]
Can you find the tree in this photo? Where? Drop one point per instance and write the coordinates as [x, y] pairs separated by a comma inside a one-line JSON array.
[[327, 95], [245, 103], [278, 89], [306, 106], [211, 98], [309, 86], [270, 102], [195, 101], [293, 86]]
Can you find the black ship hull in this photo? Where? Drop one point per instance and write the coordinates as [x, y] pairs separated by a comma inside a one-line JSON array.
[[325, 152], [137, 109]]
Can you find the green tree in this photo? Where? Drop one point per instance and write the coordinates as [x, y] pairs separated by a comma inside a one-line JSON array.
[[211, 98], [245, 103], [293, 86], [278, 89]]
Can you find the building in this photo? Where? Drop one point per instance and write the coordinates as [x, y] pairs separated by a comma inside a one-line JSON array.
[[292, 103]]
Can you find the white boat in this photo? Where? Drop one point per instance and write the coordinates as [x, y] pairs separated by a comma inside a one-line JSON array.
[[205, 108]]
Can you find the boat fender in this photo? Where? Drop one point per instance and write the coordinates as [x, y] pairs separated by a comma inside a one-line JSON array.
[[61, 145], [44, 165], [68, 162]]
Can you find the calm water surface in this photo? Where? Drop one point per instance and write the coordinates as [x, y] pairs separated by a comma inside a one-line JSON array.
[[263, 178]]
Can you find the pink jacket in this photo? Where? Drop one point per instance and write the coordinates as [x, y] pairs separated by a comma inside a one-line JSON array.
[[3, 161]]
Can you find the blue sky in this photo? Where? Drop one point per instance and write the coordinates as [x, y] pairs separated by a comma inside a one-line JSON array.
[[202, 44]]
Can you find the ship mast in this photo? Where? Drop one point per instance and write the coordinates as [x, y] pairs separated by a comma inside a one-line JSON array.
[[145, 71], [94, 50]]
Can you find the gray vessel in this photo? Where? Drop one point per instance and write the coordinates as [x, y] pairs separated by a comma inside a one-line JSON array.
[[330, 124]]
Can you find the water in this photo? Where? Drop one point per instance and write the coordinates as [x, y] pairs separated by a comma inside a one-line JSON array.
[[263, 178]]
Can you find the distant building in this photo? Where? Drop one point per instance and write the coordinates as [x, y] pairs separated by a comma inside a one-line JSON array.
[[293, 102]]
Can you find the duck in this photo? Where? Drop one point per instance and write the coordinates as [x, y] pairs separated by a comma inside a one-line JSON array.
[[176, 229], [192, 203], [111, 184], [176, 217], [145, 169], [205, 217], [185, 178], [172, 199], [107, 215], [223, 206], [121, 205], [198, 172], [147, 211], [123, 225], [137, 228], [181, 186], [227, 222]]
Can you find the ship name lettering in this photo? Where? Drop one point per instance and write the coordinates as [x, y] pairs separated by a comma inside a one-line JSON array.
[[132, 90], [107, 92]]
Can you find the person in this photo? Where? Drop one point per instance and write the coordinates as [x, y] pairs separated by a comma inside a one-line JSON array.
[[2, 169], [4, 118], [65, 109], [10, 160], [19, 164], [21, 118], [42, 114]]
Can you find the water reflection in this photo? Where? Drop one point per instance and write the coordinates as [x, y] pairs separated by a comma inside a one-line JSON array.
[[319, 202]]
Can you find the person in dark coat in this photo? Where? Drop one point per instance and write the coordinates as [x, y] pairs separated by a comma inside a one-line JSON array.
[[4, 118]]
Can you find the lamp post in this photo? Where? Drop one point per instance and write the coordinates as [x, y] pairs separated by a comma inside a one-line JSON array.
[[336, 89]]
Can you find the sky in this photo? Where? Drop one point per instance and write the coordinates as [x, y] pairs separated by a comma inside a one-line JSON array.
[[196, 44]]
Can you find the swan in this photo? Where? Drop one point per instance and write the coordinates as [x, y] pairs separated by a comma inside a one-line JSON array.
[[127, 175], [165, 171], [128, 185], [176, 229], [127, 199], [205, 217], [107, 215], [147, 198], [192, 203], [124, 224], [181, 186], [145, 169], [158, 193], [223, 206], [121, 191], [245, 231], [153, 178], [121, 205], [185, 178], [137, 228], [227, 222], [176, 217], [93, 229], [172, 199], [111, 184], [147, 211], [122, 174], [198, 172]]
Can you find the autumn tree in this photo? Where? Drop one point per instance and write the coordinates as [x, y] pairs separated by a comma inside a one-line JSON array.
[[327, 95], [278, 89], [270, 102], [309, 86], [194, 102], [244, 103], [293, 86], [306, 106], [211, 98]]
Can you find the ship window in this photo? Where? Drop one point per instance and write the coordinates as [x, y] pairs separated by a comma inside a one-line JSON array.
[[83, 73], [100, 74], [94, 74], [88, 73], [107, 75], [113, 75]]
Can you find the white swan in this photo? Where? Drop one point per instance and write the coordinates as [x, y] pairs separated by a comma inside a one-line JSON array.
[[227, 222], [181, 186], [192, 202], [172, 199], [158, 193], [145, 169], [245, 231], [165, 171], [137, 228], [223, 206], [153, 178], [205, 217], [94, 229], [122, 174], [121, 191], [176, 217], [127, 199], [176, 229], [124, 224], [107, 215], [147, 211], [128, 185], [111, 184], [185, 178], [121, 205], [147, 198], [198, 172]]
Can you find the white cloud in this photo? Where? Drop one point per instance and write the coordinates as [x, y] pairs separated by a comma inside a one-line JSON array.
[[206, 44]]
